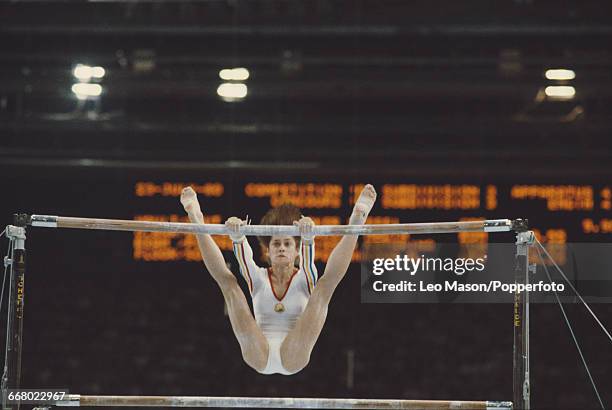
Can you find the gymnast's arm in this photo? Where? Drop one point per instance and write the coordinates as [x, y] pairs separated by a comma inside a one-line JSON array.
[[307, 251], [244, 254]]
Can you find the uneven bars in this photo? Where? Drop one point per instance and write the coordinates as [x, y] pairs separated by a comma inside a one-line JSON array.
[[77, 400], [494, 225]]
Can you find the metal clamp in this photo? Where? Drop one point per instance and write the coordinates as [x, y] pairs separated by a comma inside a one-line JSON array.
[[525, 238], [532, 268], [15, 232], [17, 235], [526, 389]]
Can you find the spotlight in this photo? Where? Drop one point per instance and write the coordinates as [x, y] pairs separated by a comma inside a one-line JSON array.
[[558, 92], [234, 74], [97, 72], [560, 74], [84, 91], [232, 92], [84, 72]]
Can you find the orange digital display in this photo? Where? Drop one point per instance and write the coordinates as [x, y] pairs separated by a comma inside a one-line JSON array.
[[602, 226], [557, 197], [149, 189], [491, 197], [606, 198], [412, 196], [164, 247], [301, 195], [330, 204]]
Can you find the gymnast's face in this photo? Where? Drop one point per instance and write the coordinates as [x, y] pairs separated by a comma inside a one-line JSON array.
[[282, 250]]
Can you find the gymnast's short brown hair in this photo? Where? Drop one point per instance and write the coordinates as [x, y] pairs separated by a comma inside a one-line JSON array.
[[285, 214]]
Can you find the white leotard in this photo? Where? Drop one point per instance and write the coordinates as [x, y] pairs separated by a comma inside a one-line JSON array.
[[267, 302]]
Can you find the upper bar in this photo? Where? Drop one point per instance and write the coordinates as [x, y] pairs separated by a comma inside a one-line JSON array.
[[495, 225], [273, 402]]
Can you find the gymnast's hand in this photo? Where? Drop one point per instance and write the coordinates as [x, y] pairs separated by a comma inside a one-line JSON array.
[[306, 227], [233, 224]]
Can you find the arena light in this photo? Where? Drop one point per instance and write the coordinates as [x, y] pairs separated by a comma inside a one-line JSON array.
[[559, 92], [232, 92], [560, 74], [84, 72], [84, 91], [98, 72], [234, 74]]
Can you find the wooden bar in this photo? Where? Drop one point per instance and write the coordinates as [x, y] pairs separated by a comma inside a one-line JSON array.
[[274, 402], [49, 221]]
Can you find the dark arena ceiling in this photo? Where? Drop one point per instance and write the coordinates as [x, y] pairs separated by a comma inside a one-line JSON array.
[[341, 82]]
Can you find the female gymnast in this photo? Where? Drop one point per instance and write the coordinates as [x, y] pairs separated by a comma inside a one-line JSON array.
[[290, 304]]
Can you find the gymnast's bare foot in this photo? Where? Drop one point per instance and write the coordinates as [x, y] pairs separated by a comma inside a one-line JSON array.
[[190, 203], [363, 205]]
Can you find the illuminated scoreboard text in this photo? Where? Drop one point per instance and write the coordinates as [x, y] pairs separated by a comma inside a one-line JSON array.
[[558, 213]]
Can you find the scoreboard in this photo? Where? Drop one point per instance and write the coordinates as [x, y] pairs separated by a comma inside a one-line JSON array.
[[558, 213]]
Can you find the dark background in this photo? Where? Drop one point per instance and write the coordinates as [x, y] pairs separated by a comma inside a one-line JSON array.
[[340, 91]]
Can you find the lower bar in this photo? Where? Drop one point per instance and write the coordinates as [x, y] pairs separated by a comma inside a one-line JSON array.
[[273, 402]]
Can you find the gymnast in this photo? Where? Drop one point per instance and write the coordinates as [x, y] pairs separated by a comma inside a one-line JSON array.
[[290, 304]]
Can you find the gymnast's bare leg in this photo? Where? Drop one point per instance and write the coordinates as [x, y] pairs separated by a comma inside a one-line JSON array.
[[298, 344], [253, 344]]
